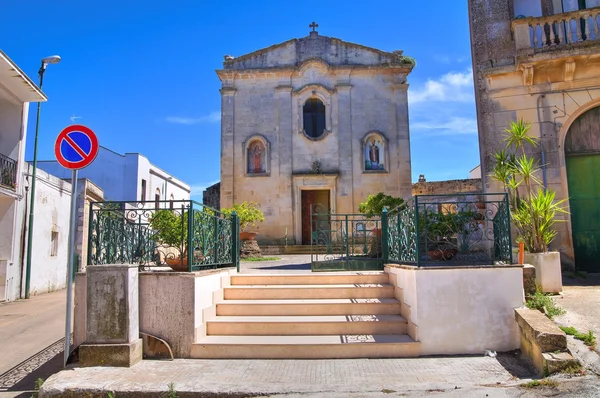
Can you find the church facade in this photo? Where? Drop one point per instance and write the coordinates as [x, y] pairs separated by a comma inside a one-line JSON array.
[[310, 121]]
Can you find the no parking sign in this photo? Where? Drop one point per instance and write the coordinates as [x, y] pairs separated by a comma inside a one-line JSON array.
[[76, 147]]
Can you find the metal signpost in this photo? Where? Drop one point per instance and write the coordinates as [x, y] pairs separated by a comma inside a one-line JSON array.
[[76, 147]]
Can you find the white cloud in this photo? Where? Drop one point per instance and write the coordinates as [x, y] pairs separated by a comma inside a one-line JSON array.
[[198, 189], [451, 87], [452, 126], [213, 117]]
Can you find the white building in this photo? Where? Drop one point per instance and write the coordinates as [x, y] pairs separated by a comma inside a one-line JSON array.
[[476, 172], [129, 177], [50, 240], [16, 92]]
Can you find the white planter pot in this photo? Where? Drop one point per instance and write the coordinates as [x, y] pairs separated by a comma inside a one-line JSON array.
[[548, 273]]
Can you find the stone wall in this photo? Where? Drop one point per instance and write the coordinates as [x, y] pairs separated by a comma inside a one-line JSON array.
[[211, 196], [471, 185], [549, 88]]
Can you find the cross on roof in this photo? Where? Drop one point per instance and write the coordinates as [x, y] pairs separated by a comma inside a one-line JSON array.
[[313, 25]]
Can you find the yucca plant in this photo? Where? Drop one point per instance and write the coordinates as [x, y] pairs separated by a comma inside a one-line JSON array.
[[534, 209]]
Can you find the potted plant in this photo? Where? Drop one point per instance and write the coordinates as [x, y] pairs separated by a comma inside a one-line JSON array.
[[533, 208], [171, 231], [439, 233], [249, 214], [374, 205]]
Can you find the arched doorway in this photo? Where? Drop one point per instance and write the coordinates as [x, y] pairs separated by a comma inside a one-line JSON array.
[[582, 154]]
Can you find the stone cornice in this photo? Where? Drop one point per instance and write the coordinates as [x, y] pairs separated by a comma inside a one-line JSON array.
[[227, 91], [289, 71]]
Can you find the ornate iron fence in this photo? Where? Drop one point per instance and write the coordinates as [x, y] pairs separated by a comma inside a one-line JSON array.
[[8, 172], [458, 229], [182, 234], [345, 241]]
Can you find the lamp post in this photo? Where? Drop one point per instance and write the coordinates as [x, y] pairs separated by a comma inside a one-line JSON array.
[[54, 59]]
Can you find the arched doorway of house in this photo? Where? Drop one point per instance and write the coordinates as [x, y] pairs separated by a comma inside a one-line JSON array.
[[582, 153]]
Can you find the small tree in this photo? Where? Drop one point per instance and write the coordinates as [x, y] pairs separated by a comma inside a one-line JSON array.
[[534, 208], [374, 204], [249, 214], [171, 229]]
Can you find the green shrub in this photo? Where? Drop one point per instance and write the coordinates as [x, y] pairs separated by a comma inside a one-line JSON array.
[[544, 303], [249, 214], [374, 204], [588, 338]]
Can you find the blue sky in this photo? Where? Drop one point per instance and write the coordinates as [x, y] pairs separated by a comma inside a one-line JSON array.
[[141, 74]]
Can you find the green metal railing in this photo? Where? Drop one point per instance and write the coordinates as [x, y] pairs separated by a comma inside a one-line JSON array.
[[345, 241], [457, 229], [182, 234]]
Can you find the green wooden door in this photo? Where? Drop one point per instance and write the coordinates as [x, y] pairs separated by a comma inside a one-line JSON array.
[[583, 173]]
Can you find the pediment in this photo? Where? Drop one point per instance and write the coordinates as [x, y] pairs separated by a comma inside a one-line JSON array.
[[314, 52]]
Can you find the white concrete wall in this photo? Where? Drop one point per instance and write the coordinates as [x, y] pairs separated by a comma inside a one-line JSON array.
[[172, 304], [461, 310], [52, 213], [13, 127]]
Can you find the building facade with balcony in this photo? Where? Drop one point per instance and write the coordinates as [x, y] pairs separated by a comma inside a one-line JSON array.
[[16, 92], [539, 60]]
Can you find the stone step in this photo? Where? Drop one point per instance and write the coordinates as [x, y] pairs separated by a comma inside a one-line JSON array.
[[324, 278], [270, 292], [358, 306], [306, 325], [304, 347]]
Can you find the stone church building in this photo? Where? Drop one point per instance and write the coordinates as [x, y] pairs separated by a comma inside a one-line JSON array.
[[539, 60], [314, 120]]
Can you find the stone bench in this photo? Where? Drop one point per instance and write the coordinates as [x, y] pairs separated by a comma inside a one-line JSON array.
[[543, 342]]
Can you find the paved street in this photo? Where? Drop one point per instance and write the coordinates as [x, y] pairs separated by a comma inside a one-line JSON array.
[[239, 378], [295, 263], [31, 333], [581, 300]]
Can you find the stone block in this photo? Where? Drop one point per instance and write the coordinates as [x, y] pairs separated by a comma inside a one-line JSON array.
[[542, 331], [112, 308], [557, 362], [250, 248], [543, 342], [120, 355]]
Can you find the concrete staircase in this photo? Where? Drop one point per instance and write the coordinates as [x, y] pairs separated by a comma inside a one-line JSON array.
[[329, 315]]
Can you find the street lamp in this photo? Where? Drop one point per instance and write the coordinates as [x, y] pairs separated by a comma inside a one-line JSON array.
[[53, 59]]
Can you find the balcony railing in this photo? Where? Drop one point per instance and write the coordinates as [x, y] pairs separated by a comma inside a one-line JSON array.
[[534, 35], [8, 172]]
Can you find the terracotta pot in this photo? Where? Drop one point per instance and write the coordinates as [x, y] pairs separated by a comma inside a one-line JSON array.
[[177, 264], [247, 235], [442, 254], [450, 253], [435, 255]]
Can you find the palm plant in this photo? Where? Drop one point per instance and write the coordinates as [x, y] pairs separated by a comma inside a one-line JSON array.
[[533, 214]]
